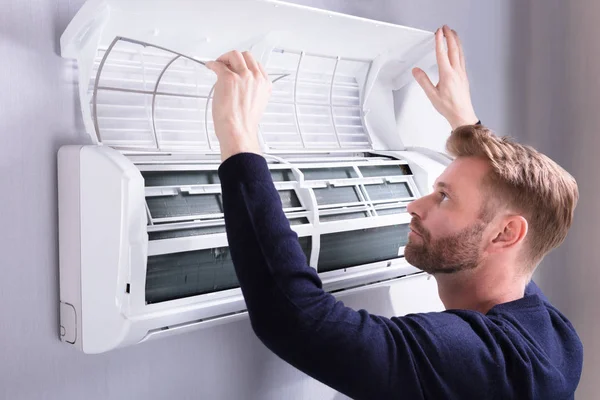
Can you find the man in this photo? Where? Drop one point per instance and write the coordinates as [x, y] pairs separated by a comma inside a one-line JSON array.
[[493, 215]]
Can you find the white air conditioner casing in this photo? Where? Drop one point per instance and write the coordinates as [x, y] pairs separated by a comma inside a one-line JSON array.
[[349, 137]]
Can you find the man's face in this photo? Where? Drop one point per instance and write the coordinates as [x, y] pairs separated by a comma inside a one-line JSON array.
[[447, 229]]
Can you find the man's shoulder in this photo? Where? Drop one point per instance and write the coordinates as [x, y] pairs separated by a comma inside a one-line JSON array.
[[530, 324], [534, 344], [534, 313], [536, 326]]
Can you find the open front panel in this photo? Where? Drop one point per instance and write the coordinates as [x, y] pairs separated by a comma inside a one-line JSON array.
[[188, 254], [150, 98]]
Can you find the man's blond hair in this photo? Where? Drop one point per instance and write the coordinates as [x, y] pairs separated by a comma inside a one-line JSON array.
[[525, 181]]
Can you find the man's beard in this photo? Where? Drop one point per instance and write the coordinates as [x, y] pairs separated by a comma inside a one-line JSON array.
[[447, 255]]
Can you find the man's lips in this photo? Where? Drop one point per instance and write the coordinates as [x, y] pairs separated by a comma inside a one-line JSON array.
[[413, 230]]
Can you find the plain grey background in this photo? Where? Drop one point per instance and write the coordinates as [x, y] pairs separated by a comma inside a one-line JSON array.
[[534, 75]]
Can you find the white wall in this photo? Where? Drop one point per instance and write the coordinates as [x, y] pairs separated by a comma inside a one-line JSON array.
[[512, 65]]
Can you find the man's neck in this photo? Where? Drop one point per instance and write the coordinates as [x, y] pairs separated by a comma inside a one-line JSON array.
[[482, 288]]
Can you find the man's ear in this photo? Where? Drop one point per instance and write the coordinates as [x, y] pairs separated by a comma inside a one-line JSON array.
[[511, 232]]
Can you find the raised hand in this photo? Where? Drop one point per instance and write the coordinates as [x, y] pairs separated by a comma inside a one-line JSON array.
[[451, 97], [240, 97]]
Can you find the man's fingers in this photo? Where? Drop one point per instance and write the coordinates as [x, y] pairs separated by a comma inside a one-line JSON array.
[[251, 63], [218, 68], [263, 71], [424, 81], [453, 50], [440, 52], [234, 60], [461, 52]]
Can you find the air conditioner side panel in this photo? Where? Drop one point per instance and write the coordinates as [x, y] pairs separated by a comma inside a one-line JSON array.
[[69, 245], [113, 235]]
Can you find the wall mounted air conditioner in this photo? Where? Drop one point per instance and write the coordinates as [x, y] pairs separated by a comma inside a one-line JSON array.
[[349, 138]]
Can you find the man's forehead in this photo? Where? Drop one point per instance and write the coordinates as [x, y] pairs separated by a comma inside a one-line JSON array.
[[463, 174]]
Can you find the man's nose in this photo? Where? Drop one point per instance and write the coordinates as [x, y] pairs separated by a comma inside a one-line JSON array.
[[418, 207]]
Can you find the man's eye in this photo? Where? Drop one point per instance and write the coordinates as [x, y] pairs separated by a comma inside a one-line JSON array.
[[443, 196]]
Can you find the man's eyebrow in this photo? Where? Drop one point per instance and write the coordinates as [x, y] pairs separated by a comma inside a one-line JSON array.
[[445, 186]]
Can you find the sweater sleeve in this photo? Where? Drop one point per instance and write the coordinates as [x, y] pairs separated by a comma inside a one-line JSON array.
[[434, 355]]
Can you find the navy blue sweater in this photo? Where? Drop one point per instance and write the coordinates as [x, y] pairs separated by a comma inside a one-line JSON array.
[[525, 349]]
